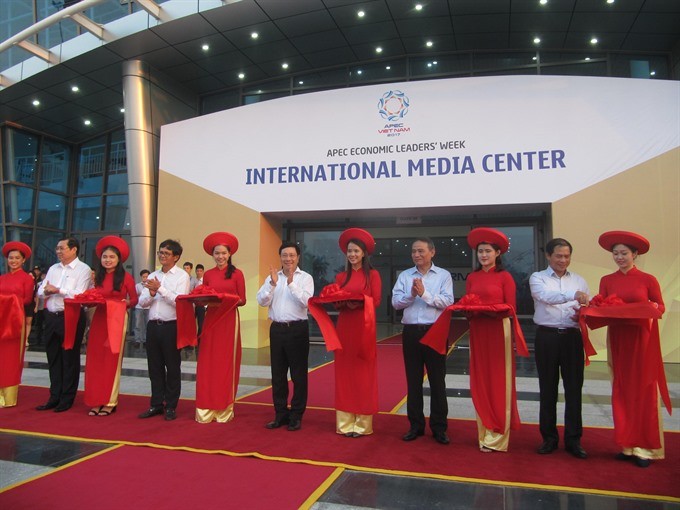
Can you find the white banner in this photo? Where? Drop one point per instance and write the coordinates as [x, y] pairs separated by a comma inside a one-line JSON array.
[[463, 141]]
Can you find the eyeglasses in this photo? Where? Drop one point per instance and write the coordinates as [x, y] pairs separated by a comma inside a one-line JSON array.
[[161, 253]]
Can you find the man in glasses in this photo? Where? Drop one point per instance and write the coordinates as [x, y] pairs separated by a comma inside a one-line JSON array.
[[161, 289]]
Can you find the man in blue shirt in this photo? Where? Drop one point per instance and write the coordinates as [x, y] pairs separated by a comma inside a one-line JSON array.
[[423, 292]]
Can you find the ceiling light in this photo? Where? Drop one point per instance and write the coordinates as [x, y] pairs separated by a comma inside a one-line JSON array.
[[610, 1], [254, 35], [359, 71], [434, 62], [587, 58], [87, 122], [300, 82], [36, 102], [241, 75], [429, 64], [537, 40], [593, 40], [429, 44], [388, 67], [653, 73], [419, 7], [74, 88], [542, 2], [205, 47], [534, 58], [378, 49], [122, 110], [284, 66], [361, 14]]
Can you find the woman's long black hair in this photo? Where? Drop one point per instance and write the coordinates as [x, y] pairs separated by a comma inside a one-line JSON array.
[[118, 272], [365, 264], [499, 262]]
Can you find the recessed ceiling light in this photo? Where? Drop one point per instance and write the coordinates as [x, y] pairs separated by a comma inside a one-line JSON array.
[[284, 65], [537, 40], [419, 7], [241, 75], [378, 49], [254, 35], [434, 62], [359, 71], [301, 82], [653, 73], [610, 1], [429, 64], [388, 67], [534, 58], [361, 14], [74, 88], [205, 47], [429, 44], [87, 122], [36, 102], [593, 40], [542, 2], [587, 58], [122, 110]]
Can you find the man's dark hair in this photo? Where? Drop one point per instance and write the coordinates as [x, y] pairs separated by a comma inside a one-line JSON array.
[[191, 266], [199, 266], [72, 242], [173, 246], [426, 240], [289, 244], [144, 271], [554, 243]]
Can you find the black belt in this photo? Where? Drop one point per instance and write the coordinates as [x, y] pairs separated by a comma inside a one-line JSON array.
[[160, 322], [418, 327], [288, 324], [559, 331], [56, 314]]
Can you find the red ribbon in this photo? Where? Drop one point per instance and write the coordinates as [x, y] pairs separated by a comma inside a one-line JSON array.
[[612, 310], [11, 318], [113, 311], [186, 317], [334, 294], [438, 335]]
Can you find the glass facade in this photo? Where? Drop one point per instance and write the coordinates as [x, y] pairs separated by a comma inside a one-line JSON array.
[[51, 189]]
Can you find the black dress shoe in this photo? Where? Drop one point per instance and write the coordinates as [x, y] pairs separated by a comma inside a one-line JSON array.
[[294, 425], [278, 422], [441, 437], [65, 406], [643, 463], [151, 411], [170, 414], [412, 435], [577, 451], [47, 406], [548, 446], [624, 457]]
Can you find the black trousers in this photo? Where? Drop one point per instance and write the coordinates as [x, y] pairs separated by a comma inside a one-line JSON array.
[[289, 347], [164, 360], [64, 365], [560, 353], [417, 357]]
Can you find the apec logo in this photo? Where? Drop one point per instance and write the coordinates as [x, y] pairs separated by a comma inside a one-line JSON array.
[[393, 106]]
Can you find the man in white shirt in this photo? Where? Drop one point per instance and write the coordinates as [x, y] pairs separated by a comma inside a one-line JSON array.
[[65, 279], [160, 291], [423, 292], [141, 312], [558, 294], [286, 292]]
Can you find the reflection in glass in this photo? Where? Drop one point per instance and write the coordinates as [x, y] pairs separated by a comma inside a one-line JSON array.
[[91, 166], [117, 213], [43, 248], [21, 17], [18, 205], [51, 210], [57, 33], [86, 213], [21, 157], [116, 181], [54, 165]]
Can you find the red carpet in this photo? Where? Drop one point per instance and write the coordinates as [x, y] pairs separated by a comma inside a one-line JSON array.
[[384, 451], [134, 478], [392, 390]]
